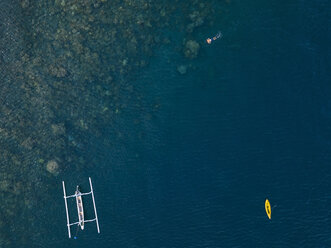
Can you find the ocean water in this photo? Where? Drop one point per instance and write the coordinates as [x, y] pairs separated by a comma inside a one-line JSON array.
[[190, 161]]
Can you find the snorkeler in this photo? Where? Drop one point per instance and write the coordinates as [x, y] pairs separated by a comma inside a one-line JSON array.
[[217, 36]]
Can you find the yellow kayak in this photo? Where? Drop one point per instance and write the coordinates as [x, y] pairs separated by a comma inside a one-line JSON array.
[[267, 208]]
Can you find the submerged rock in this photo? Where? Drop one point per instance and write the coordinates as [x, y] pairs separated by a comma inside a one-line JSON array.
[[58, 129], [53, 167], [182, 69], [191, 49]]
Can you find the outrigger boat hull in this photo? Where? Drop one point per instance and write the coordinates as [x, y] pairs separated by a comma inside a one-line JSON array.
[[80, 208]]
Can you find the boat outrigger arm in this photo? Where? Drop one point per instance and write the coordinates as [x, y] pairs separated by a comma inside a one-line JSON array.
[[78, 195]]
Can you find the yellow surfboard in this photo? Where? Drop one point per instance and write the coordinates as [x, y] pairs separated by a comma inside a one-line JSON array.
[[267, 208]]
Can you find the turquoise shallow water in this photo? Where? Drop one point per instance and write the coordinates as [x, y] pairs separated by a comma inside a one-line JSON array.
[[191, 162]]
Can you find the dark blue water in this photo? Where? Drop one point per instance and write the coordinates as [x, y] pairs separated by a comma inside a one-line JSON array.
[[192, 162], [196, 160]]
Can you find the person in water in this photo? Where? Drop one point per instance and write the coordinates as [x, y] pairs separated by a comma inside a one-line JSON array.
[[217, 36]]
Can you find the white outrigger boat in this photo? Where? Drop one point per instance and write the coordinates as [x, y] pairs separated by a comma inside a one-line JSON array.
[[80, 210]]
